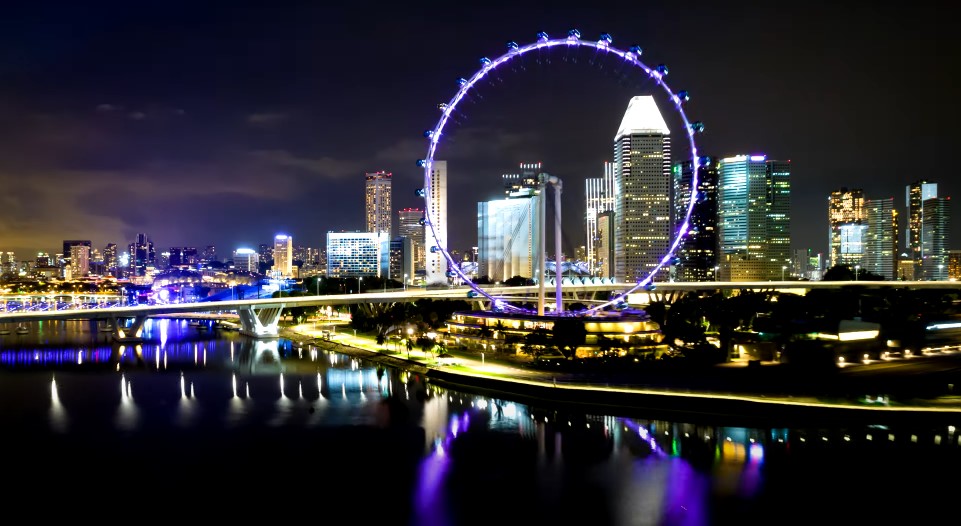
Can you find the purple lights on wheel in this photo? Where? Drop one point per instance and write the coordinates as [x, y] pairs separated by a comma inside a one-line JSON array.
[[573, 39]]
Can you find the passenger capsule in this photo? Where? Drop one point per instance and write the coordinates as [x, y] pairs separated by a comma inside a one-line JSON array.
[[486, 62], [422, 221], [573, 33], [697, 126], [434, 249], [542, 36], [662, 69], [428, 133], [462, 81], [636, 50], [421, 193], [512, 45], [605, 39], [683, 96], [421, 163]]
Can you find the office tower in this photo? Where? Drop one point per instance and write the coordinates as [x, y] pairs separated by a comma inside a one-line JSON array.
[[915, 195], [246, 260], [191, 257], [408, 225], [954, 265], [110, 260], [642, 176], [779, 213], [67, 243], [141, 255], [401, 266], [176, 257], [881, 243], [357, 254], [79, 261], [163, 261], [377, 202], [753, 218], [599, 192], [8, 262], [436, 263], [209, 254], [935, 230], [283, 256], [266, 253], [44, 260], [508, 236], [847, 227], [604, 245], [696, 256]]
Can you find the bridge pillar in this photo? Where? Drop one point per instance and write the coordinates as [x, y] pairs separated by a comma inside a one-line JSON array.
[[129, 334], [260, 322]]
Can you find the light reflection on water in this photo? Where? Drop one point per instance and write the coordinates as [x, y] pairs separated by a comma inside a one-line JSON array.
[[620, 470]]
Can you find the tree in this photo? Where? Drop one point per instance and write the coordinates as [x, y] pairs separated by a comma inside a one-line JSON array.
[[569, 334], [537, 342]]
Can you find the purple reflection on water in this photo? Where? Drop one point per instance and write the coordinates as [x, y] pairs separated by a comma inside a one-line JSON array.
[[687, 491], [429, 496]]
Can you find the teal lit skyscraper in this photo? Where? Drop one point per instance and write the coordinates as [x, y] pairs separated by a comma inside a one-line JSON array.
[[934, 238], [754, 218]]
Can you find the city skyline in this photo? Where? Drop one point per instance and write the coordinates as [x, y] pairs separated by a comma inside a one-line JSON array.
[[116, 126]]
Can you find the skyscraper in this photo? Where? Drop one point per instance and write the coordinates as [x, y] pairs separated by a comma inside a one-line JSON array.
[[283, 256], [915, 195], [847, 227], [753, 218], [142, 255], [408, 225], [697, 252], [881, 244], [935, 231], [642, 176], [377, 202], [437, 226], [599, 193], [67, 243], [110, 260], [508, 236], [358, 254], [209, 254], [246, 260]]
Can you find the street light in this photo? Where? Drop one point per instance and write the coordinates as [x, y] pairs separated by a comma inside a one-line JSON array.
[[410, 333], [716, 269], [940, 270], [856, 269], [783, 268]]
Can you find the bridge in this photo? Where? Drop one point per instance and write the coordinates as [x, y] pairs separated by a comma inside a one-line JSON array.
[[259, 318]]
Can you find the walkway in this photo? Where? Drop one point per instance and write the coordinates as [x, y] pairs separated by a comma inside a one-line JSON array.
[[473, 371]]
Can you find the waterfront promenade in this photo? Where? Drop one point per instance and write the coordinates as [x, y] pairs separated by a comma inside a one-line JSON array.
[[921, 389]]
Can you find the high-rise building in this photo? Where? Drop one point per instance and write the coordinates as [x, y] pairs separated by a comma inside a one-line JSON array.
[[401, 266], [508, 237], [642, 176], [435, 230], [79, 261], [377, 202], [599, 193], [915, 195], [8, 262], [67, 243], [696, 256], [524, 182], [847, 226], [604, 245], [142, 255], [246, 260], [409, 226], [935, 231], [110, 261], [266, 253], [954, 265], [283, 256], [209, 254], [753, 218], [357, 254], [881, 244], [44, 260]]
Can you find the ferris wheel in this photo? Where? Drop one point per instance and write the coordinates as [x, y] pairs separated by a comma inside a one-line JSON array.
[[603, 44]]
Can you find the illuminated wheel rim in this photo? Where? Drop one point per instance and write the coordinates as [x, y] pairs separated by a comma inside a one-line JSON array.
[[573, 40]]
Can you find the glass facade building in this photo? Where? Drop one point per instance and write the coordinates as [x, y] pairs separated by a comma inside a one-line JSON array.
[[357, 254]]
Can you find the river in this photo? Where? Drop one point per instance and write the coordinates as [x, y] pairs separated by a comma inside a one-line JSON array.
[[205, 424]]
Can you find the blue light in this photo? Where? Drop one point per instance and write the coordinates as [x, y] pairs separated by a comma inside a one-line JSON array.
[[605, 38], [573, 33], [661, 69], [512, 46], [422, 163], [462, 81], [486, 62], [428, 133], [683, 95], [697, 126], [420, 192], [636, 50], [542, 36]]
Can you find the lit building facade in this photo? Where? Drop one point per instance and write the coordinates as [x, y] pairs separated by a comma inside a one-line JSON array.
[[604, 245], [753, 218], [402, 254], [954, 265], [915, 195], [377, 201], [935, 230], [141, 255], [642, 175], [696, 256], [283, 256], [246, 260], [508, 236], [881, 245], [79, 261], [435, 232], [599, 192], [846, 217], [408, 225], [67, 244], [357, 254]]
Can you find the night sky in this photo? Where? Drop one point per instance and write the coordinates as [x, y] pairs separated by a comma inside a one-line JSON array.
[[226, 125]]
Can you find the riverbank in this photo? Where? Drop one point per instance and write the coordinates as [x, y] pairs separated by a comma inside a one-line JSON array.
[[762, 395]]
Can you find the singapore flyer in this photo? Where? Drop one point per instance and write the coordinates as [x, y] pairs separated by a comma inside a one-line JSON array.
[[603, 45]]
